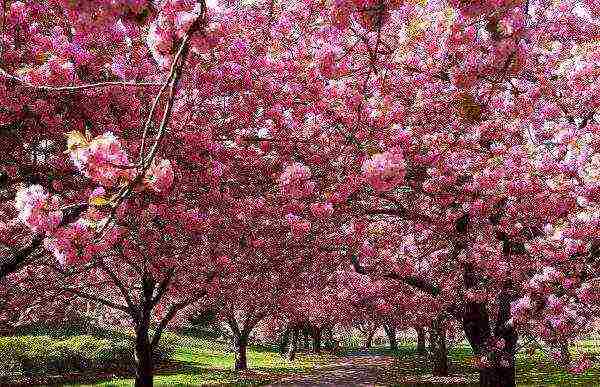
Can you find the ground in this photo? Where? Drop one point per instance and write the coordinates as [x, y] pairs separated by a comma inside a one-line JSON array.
[[200, 361], [204, 362]]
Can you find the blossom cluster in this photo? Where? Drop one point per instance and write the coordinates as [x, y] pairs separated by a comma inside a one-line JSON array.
[[295, 181], [298, 226], [104, 160], [384, 171], [174, 20], [37, 210]]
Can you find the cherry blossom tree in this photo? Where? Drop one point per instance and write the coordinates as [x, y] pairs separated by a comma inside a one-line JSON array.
[[450, 147]]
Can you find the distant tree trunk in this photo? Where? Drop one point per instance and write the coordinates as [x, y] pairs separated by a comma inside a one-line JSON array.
[[293, 344], [438, 349], [316, 335], [305, 334], [241, 344], [390, 331], [565, 353], [329, 338], [369, 339], [285, 340], [420, 340]]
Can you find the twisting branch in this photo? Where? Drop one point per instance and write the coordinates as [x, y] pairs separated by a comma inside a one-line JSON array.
[[11, 263], [91, 297], [410, 280], [171, 313], [172, 83], [24, 83]]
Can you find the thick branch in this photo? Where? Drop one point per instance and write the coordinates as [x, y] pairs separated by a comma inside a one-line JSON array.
[[413, 281], [164, 285], [75, 88], [170, 314], [102, 301], [133, 309], [15, 261]]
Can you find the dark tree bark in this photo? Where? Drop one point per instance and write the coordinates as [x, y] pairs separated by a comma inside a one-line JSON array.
[[390, 331], [241, 345], [240, 339], [369, 339], [293, 344], [476, 324], [284, 341], [497, 377], [306, 332], [316, 337], [144, 372], [421, 350], [438, 349]]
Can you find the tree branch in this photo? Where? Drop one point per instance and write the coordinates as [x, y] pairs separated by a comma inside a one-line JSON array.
[[102, 301], [164, 285], [15, 261], [6, 74], [133, 309], [410, 280], [170, 314]]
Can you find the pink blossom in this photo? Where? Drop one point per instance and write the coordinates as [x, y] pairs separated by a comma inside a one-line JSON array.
[[223, 260], [73, 244], [35, 209], [102, 159], [520, 307], [295, 181], [299, 227], [321, 210], [385, 171], [159, 177]]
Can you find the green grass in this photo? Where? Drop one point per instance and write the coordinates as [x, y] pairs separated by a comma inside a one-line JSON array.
[[200, 361], [532, 371]]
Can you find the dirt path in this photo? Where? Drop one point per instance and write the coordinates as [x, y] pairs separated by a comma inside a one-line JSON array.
[[368, 370]]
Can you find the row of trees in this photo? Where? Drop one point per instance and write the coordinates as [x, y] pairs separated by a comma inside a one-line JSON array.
[[299, 158]]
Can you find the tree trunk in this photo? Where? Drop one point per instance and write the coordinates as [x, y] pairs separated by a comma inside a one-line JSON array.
[[144, 369], [369, 340], [437, 346], [420, 340], [316, 340], [306, 339], [497, 377], [391, 334], [476, 323], [241, 362], [329, 340], [565, 354], [294, 344], [284, 342]]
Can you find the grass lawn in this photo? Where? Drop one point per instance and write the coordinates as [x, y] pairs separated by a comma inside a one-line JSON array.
[[532, 371], [203, 362], [199, 361]]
